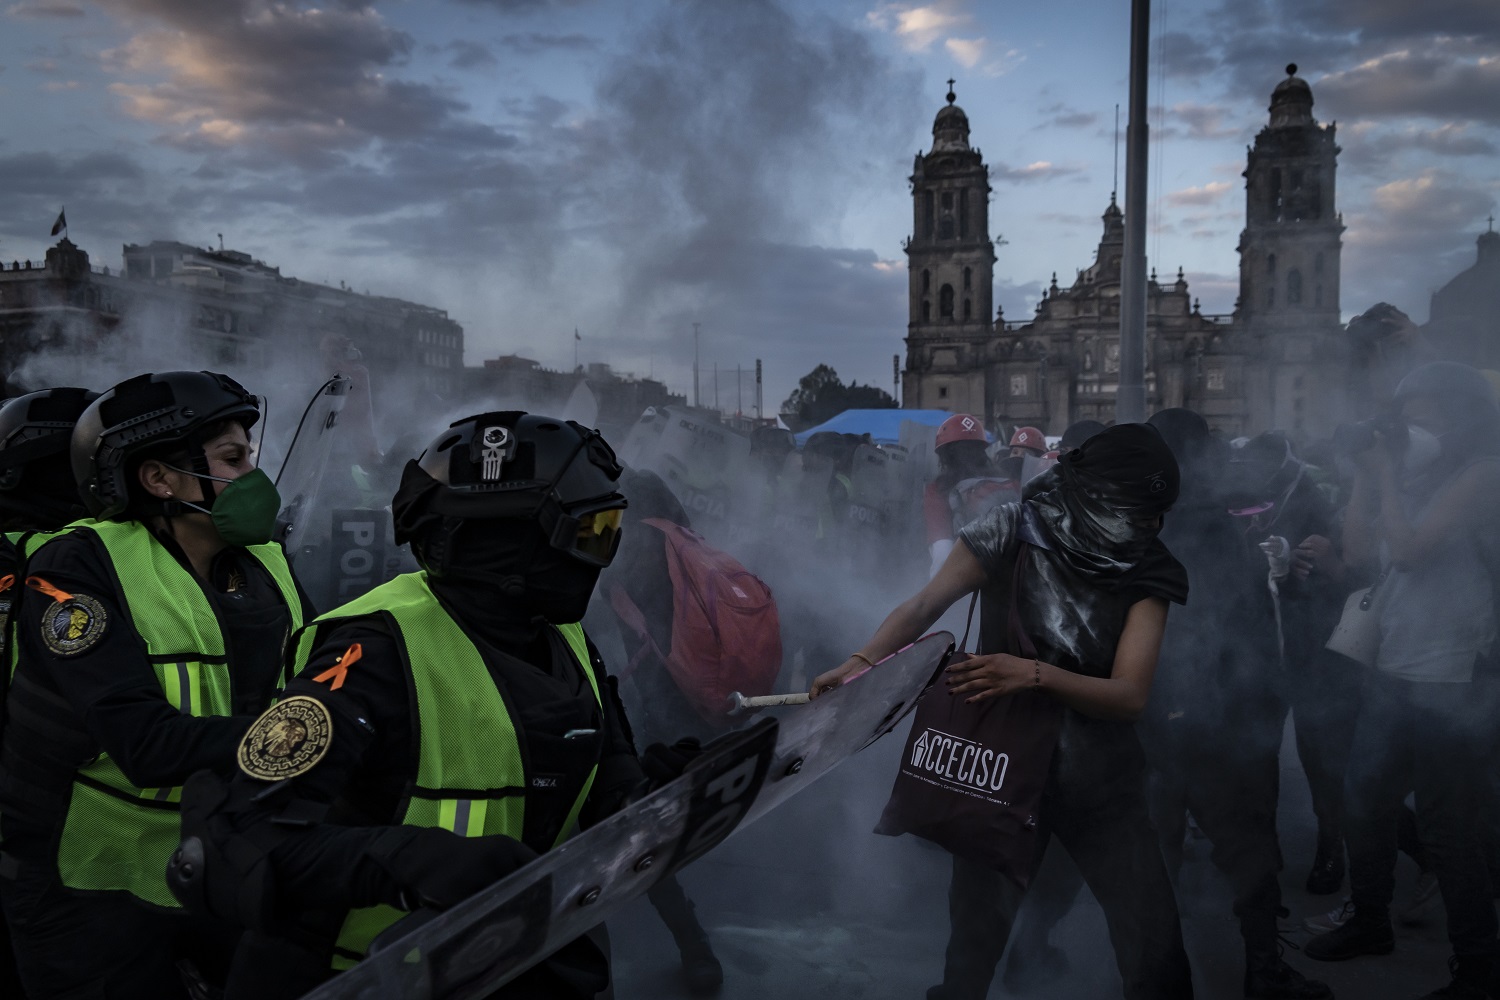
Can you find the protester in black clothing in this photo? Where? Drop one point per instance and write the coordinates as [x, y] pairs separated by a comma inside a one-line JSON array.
[[1422, 513], [1097, 585], [1279, 505], [1213, 727], [148, 640], [472, 673]]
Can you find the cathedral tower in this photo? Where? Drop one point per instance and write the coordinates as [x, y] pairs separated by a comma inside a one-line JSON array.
[[1289, 258], [950, 264]]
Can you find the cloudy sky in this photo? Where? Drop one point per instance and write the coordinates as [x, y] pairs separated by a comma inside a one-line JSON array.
[[630, 168]]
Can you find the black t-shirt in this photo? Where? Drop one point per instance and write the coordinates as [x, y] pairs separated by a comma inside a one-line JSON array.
[[1074, 623], [104, 688]]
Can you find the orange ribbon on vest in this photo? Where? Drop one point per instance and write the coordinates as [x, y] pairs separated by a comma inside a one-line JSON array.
[[340, 668], [37, 583]]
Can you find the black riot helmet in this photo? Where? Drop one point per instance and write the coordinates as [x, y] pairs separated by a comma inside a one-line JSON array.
[[513, 471], [149, 416], [37, 489]]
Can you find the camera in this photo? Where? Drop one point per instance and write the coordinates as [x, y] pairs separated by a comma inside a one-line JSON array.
[[1355, 439]]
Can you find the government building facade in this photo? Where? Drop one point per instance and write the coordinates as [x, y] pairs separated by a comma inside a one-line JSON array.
[[1279, 361]]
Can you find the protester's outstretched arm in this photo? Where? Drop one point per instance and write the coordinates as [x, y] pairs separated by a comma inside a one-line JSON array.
[[1121, 695], [961, 574]]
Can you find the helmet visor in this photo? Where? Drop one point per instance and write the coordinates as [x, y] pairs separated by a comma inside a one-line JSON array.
[[590, 536]]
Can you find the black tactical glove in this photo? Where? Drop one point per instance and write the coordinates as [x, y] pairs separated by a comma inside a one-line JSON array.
[[435, 868], [664, 763]]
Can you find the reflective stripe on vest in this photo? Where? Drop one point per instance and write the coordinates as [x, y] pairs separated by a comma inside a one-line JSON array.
[[117, 836], [471, 778]]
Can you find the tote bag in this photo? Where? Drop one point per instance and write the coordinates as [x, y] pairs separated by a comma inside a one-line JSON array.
[[972, 775]]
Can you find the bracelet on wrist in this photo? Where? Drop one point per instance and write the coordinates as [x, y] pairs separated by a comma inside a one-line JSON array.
[[862, 656]]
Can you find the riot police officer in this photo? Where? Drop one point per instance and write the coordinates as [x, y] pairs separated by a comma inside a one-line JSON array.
[[149, 639], [37, 497], [439, 731]]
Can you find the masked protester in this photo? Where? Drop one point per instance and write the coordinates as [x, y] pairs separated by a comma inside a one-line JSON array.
[[1422, 516], [148, 640], [469, 683], [1096, 584]]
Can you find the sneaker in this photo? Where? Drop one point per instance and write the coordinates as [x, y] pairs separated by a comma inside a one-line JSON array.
[[1332, 920], [1354, 938], [1282, 982], [1418, 909]]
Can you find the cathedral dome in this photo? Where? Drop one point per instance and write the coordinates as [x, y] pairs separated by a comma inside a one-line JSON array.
[[1292, 100], [950, 129]]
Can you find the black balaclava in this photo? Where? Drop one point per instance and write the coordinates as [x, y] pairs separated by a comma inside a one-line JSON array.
[[1100, 505], [1200, 456], [511, 556]]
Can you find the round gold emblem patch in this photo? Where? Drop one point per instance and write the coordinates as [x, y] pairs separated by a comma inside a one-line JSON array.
[[74, 625], [288, 739]]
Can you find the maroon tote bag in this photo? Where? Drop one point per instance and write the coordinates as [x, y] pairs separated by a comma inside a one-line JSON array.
[[972, 776]]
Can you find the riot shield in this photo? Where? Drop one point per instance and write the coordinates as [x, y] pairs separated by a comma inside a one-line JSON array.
[[476, 947], [306, 462]]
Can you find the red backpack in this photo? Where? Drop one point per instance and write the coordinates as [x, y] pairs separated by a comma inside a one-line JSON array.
[[726, 633]]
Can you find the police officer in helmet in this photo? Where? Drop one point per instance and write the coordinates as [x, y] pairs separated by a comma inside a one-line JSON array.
[[37, 497], [451, 724], [148, 640]]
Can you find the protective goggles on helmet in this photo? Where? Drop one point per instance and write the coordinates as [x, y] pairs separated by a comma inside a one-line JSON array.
[[590, 536]]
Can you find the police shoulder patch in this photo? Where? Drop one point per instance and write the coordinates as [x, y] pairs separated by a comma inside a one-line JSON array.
[[288, 739], [74, 624]]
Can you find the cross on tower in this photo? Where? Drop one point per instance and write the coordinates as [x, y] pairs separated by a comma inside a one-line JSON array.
[[951, 96], [1492, 222]]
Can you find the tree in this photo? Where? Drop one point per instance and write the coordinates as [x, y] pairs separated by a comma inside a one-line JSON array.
[[821, 395]]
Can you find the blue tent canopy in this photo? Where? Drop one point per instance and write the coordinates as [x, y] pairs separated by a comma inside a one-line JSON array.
[[883, 426]]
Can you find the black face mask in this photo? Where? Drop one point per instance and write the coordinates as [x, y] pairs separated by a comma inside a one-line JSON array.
[[519, 564]]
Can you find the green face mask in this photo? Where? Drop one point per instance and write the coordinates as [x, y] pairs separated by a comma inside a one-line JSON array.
[[244, 512]]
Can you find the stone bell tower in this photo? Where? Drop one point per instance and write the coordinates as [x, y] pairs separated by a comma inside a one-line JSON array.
[[1289, 264], [950, 264]]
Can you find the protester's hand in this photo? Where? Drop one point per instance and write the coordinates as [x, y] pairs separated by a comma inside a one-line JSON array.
[[828, 681], [1316, 554], [990, 676]]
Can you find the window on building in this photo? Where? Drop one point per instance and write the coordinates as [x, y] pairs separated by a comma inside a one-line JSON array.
[[1296, 180], [963, 214], [968, 311], [947, 201], [1294, 287], [929, 215], [945, 302], [1018, 385], [1088, 361], [942, 392], [1214, 379], [1275, 194], [945, 223], [926, 311], [926, 282], [968, 277]]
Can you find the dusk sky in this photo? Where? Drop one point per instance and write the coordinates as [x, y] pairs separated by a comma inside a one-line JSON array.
[[628, 168]]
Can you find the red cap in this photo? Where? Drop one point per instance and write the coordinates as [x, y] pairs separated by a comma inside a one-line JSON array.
[[960, 427], [1029, 437]]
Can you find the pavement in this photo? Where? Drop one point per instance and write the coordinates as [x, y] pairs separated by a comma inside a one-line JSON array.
[[807, 902]]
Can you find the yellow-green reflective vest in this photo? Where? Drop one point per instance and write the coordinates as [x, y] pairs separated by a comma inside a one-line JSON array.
[[117, 836], [471, 778]]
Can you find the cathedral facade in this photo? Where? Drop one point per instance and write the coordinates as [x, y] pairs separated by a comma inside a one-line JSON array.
[[1277, 361]]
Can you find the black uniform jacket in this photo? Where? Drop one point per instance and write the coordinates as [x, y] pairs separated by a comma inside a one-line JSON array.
[[103, 694]]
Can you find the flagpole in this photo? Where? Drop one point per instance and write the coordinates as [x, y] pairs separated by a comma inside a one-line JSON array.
[[576, 339]]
